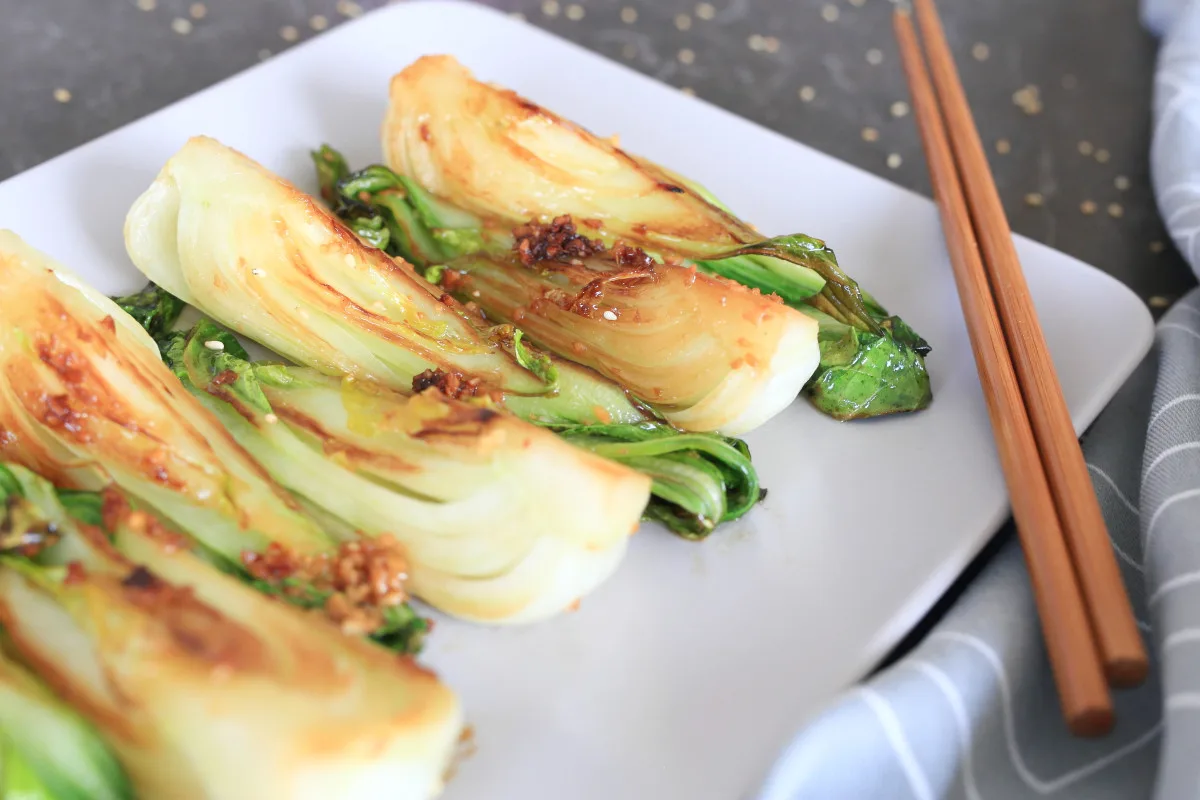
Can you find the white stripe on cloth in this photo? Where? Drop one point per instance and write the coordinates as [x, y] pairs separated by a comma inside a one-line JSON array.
[[895, 736], [1178, 497], [1035, 783], [1173, 584], [1183, 398]]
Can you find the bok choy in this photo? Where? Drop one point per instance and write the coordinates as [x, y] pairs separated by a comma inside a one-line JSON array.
[[500, 521], [496, 160], [704, 352], [203, 687], [86, 401], [268, 261]]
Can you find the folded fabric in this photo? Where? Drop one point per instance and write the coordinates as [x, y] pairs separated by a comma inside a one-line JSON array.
[[972, 711]]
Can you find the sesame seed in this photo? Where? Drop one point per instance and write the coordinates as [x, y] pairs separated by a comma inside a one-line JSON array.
[[213, 344], [181, 26], [1158, 301], [683, 22], [807, 94], [289, 33], [62, 95], [1102, 156], [198, 10], [147, 5], [610, 316], [1121, 182], [1116, 210], [894, 161], [1085, 148], [629, 50], [1087, 207], [264, 54], [689, 91], [874, 57], [686, 56], [550, 8], [629, 15], [1069, 81], [870, 135], [1157, 247], [348, 8], [1029, 99], [756, 42], [1034, 200], [318, 22], [980, 51], [899, 108], [705, 11], [829, 13], [270, 419], [771, 44], [575, 12], [1003, 146]]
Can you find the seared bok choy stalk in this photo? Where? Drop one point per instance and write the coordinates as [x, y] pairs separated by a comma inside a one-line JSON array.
[[269, 262], [256, 254], [47, 751], [500, 520], [203, 687], [506, 161], [86, 401], [704, 352]]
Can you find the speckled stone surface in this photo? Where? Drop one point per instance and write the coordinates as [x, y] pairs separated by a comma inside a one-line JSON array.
[[1091, 64]]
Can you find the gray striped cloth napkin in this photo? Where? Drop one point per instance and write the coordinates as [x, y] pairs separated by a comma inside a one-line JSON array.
[[972, 712]]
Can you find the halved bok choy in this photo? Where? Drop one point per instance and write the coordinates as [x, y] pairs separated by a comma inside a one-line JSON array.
[[500, 520], [204, 688], [271, 263], [86, 401], [496, 160], [704, 352]]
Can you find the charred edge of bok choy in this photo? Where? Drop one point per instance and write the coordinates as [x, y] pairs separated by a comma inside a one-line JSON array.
[[871, 363], [700, 479]]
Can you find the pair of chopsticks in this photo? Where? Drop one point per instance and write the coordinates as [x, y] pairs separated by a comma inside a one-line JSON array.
[[1088, 625]]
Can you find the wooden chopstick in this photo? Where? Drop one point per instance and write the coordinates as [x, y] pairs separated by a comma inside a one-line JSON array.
[[1113, 623], [1083, 692]]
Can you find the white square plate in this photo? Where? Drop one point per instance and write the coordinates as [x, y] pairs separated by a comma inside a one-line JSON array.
[[684, 674]]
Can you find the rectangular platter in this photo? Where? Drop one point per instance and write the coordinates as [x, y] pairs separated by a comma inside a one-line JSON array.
[[684, 675]]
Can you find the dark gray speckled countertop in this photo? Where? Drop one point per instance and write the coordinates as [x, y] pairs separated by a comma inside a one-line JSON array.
[[1091, 64]]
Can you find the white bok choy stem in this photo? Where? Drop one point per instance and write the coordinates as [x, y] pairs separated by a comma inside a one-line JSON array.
[[500, 520]]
